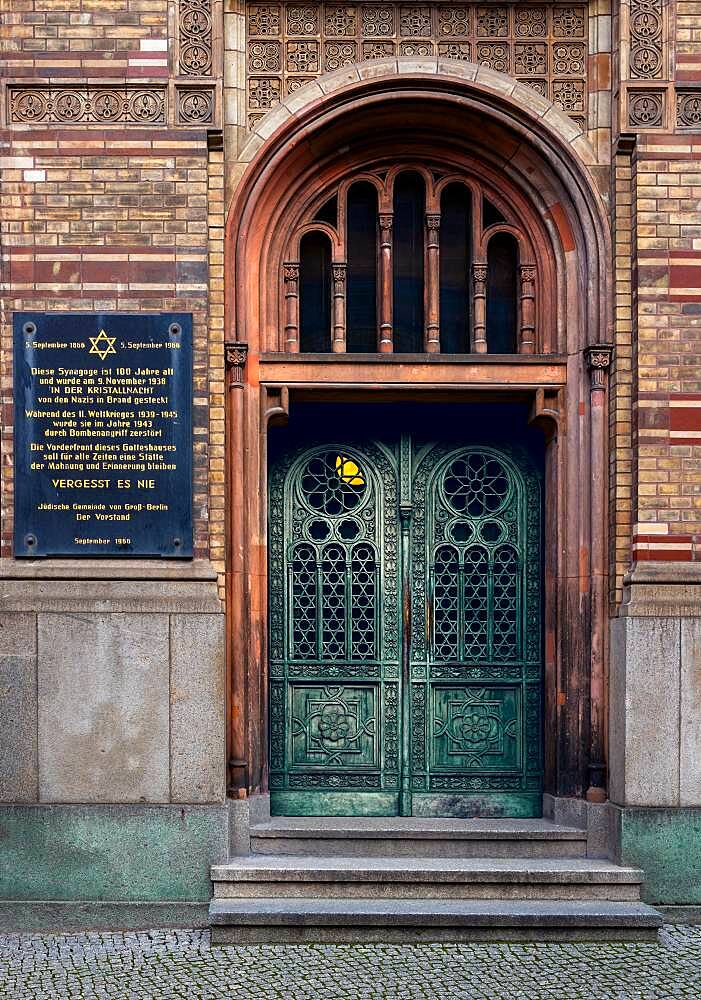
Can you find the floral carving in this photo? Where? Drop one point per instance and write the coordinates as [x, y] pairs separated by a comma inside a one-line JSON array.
[[263, 92], [340, 20], [419, 48], [302, 57], [569, 60], [530, 22], [544, 45], [195, 37], [264, 57], [530, 59], [645, 108], [568, 22], [689, 110], [415, 21], [263, 18], [569, 94], [90, 105], [453, 20], [302, 20], [378, 20], [492, 22], [377, 50], [495, 55], [195, 107], [646, 39], [455, 50], [338, 54]]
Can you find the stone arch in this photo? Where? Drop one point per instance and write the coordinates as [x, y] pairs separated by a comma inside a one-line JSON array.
[[470, 112], [527, 138]]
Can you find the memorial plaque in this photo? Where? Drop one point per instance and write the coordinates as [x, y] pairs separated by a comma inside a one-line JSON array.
[[103, 434]]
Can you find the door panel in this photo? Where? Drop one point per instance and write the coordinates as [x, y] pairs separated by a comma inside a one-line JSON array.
[[430, 705], [334, 630], [476, 632]]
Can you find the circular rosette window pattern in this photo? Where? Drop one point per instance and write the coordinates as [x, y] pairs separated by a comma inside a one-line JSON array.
[[476, 484], [333, 483]]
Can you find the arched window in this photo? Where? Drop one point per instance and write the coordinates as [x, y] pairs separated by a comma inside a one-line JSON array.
[[315, 293], [411, 259], [502, 267], [361, 241]]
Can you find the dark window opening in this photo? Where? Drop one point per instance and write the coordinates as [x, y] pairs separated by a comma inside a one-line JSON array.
[[455, 269], [502, 264], [361, 304], [408, 249], [315, 293]]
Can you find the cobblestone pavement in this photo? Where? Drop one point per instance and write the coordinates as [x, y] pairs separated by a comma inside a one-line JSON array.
[[159, 965]]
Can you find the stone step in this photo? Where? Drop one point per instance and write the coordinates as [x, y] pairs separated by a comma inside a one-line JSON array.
[[429, 878], [403, 837], [297, 921]]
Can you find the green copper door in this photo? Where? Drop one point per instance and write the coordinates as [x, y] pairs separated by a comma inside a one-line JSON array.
[[405, 630]]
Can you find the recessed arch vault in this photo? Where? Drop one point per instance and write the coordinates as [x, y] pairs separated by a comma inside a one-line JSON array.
[[482, 124]]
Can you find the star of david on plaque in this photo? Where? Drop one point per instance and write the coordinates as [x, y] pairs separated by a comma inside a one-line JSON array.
[[102, 345]]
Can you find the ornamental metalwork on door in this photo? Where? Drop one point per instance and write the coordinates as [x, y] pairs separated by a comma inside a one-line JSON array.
[[405, 629]]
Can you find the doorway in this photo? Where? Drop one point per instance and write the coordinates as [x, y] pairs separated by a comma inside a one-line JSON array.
[[405, 573]]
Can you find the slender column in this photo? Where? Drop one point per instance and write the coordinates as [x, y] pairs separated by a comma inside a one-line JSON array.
[[479, 308], [339, 309], [291, 278], [598, 358], [235, 358], [386, 344], [432, 343], [526, 339]]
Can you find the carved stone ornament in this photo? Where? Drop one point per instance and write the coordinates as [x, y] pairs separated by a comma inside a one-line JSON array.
[[543, 45], [646, 33], [195, 107], [598, 358], [195, 37], [235, 357], [73, 104], [645, 108], [689, 109]]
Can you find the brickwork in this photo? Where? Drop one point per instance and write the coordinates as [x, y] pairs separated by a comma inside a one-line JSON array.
[[106, 202], [113, 198]]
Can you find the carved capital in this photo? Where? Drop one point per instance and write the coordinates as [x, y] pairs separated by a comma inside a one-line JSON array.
[[479, 277], [235, 357], [339, 274], [598, 358], [290, 273], [386, 227], [528, 274], [433, 222]]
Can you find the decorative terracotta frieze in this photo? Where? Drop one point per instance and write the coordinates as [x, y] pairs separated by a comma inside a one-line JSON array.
[[544, 45], [71, 104], [195, 37]]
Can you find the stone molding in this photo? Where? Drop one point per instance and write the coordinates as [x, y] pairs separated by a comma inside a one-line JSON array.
[[485, 83], [662, 590]]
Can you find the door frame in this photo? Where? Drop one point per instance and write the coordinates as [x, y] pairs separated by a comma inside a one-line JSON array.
[[567, 390], [402, 454]]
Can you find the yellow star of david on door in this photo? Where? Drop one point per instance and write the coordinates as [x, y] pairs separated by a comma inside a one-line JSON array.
[[102, 345]]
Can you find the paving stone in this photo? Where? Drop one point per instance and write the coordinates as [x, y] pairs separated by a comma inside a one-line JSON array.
[[163, 964]]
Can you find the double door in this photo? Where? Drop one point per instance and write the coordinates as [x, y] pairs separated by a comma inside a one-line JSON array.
[[405, 628]]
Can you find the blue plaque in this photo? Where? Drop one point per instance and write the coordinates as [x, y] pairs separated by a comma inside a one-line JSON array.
[[103, 434]]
